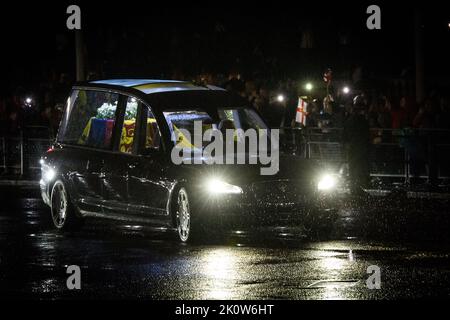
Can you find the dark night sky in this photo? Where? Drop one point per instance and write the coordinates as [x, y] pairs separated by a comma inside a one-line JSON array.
[[35, 40]]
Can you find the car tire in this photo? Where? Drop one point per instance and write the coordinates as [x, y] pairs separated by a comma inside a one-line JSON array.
[[186, 216], [63, 213], [182, 215]]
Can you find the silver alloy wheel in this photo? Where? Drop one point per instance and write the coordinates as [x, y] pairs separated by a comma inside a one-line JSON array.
[[183, 215], [59, 204]]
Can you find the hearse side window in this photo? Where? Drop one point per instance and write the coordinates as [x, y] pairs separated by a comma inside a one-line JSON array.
[[152, 134], [150, 137], [89, 119], [128, 126]]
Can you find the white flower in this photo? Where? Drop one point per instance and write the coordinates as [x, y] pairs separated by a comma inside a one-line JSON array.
[[107, 111], [131, 110]]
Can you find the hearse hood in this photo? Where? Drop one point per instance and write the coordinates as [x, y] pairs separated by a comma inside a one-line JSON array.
[[290, 168]]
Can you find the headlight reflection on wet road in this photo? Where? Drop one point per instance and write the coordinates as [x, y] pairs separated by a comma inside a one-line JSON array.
[[220, 271], [128, 261]]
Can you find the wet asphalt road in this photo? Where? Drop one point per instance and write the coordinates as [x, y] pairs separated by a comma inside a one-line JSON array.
[[408, 240]]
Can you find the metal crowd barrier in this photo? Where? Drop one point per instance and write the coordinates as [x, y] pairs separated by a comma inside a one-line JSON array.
[[391, 152], [20, 155]]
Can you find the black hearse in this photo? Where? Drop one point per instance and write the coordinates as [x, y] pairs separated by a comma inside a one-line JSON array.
[[112, 158]]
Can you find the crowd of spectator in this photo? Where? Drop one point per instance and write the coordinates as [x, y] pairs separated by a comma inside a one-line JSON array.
[[276, 100], [332, 108], [41, 106]]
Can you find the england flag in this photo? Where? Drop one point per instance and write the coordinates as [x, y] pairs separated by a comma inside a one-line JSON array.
[[300, 116]]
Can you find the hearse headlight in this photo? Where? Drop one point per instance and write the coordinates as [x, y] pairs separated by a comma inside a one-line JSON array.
[[327, 182], [218, 186], [48, 174]]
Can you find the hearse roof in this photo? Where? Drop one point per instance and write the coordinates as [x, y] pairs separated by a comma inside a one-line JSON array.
[[149, 86]]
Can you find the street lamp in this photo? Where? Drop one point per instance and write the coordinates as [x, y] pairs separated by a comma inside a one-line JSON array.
[[28, 102], [346, 90], [309, 86], [280, 98]]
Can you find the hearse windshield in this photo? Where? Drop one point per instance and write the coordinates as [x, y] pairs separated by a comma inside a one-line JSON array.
[[183, 121]]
